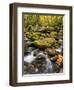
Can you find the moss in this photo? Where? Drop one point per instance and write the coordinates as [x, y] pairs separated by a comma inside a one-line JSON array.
[[46, 42], [35, 36], [53, 34], [60, 33], [32, 35], [56, 45]]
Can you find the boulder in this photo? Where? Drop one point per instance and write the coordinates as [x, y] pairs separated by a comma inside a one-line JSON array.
[[44, 43], [51, 51]]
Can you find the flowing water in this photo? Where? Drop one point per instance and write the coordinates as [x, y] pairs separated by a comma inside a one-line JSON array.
[[39, 58], [30, 57], [36, 61]]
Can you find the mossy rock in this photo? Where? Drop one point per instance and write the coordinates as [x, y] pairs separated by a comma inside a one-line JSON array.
[[53, 34], [50, 29], [60, 34], [34, 35], [56, 45], [46, 29], [44, 43]]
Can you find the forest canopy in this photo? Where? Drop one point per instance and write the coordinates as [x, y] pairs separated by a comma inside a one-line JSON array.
[[36, 22]]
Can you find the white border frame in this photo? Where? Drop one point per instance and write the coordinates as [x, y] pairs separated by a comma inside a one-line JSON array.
[[49, 77]]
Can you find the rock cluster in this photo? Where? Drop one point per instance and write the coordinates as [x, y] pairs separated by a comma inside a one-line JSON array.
[[50, 42]]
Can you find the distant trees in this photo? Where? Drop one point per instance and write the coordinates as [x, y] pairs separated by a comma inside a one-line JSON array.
[[36, 21]]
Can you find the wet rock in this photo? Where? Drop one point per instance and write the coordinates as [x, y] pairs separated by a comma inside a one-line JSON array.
[[26, 67], [25, 38], [29, 70], [49, 67], [51, 51], [56, 68], [36, 51], [28, 50], [61, 70], [54, 58], [39, 64], [59, 59]]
